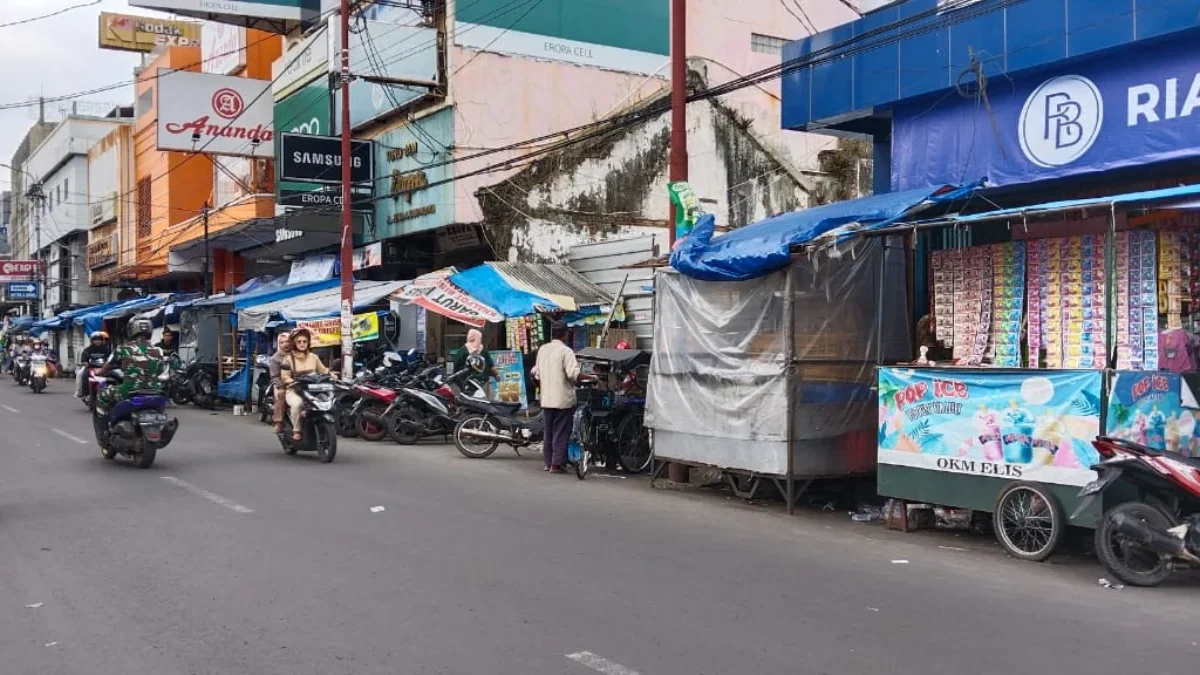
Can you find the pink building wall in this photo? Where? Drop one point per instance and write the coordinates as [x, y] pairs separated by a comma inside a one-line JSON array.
[[501, 100]]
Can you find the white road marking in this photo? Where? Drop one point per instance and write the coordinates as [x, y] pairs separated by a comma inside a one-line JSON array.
[[70, 437], [210, 496], [600, 664], [10, 409]]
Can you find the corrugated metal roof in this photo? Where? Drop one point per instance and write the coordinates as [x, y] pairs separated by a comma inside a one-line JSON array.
[[553, 280]]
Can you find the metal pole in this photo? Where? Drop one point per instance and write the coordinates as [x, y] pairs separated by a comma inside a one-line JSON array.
[[678, 473], [347, 239], [679, 156], [207, 261], [790, 370], [36, 195]]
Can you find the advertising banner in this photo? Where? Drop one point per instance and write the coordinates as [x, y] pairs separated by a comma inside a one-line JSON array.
[[1105, 113], [441, 296], [413, 167], [1158, 410], [214, 114], [391, 50], [1015, 426], [300, 65], [240, 11], [19, 270], [127, 33], [328, 332], [509, 387]]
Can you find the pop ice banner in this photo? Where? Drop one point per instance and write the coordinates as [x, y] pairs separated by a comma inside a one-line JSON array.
[[1158, 410], [1015, 426], [510, 386]]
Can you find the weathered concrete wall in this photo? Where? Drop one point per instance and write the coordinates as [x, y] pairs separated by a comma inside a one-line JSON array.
[[614, 187]]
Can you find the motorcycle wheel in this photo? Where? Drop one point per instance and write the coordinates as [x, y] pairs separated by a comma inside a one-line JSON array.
[[633, 444], [38, 385], [1125, 560], [367, 429], [1028, 521], [143, 458], [108, 453], [397, 429], [326, 441], [205, 391], [180, 396], [475, 448], [347, 424]]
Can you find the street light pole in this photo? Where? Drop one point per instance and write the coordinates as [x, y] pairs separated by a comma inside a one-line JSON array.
[[207, 262], [347, 221], [37, 197]]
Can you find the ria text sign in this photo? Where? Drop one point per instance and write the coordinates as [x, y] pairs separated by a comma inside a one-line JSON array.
[[318, 159], [215, 114]]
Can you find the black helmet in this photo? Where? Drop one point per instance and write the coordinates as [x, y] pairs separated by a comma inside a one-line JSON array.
[[139, 327], [476, 363]]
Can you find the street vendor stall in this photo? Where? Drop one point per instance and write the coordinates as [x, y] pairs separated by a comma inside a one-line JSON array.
[[764, 356], [1082, 318]]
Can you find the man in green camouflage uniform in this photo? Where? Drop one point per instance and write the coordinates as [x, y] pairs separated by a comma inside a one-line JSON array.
[[140, 362]]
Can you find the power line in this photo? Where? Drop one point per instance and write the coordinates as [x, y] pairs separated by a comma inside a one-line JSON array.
[[51, 14]]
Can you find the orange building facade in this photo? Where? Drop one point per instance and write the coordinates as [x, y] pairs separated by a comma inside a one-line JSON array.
[[174, 189]]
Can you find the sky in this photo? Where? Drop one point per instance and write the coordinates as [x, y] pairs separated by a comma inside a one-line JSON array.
[[52, 57]]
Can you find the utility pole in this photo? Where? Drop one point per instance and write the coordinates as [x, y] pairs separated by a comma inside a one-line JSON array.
[[347, 221], [678, 473], [36, 198], [207, 262], [679, 155]]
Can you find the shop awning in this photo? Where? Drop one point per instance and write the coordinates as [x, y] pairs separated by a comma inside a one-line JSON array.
[[93, 319], [267, 294], [315, 305], [65, 319], [763, 247]]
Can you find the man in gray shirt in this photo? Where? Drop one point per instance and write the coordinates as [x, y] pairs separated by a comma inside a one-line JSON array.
[[274, 367], [556, 371]]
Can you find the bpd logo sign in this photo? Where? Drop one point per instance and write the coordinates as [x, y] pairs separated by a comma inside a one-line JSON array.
[[1061, 120]]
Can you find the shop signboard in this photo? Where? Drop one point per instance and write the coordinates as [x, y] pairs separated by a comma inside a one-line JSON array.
[[128, 33], [1108, 112], [328, 332], [386, 49], [305, 158], [245, 12], [509, 387], [412, 162], [20, 270], [102, 252], [307, 111], [300, 65], [214, 114], [1033, 425], [223, 48], [631, 36], [1155, 409], [22, 290], [312, 195]]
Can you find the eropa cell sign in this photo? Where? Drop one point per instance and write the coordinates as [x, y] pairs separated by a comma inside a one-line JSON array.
[[215, 114]]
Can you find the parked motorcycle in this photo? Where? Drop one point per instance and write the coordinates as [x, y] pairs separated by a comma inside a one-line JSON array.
[[1142, 542], [318, 428], [421, 413], [196, 382], [179, 386], [137, 427], [487, 424], [39, 371]]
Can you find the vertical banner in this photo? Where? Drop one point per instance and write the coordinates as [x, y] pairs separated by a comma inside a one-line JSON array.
[[509, 387], [1158, 410], [1014, 426]]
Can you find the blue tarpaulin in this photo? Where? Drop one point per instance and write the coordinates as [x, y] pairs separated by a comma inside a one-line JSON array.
[[64, 319], [267, 294], [93, 318], [487, 286], [763, 247]]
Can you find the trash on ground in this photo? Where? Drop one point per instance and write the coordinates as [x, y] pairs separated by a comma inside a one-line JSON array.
[[899, 562], [955, 548], [50, 644], [953, 519], [34, 605], [867, 514], [873, 609], [1108, 584], [376, 509]]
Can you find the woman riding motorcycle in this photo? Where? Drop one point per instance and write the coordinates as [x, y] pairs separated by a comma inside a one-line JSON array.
[[301, 361], [99, 348]]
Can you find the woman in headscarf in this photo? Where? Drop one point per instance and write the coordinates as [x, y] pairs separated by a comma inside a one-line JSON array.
[[300, 361], [474, 347]]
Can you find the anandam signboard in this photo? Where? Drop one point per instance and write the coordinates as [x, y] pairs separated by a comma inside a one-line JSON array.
[[625, 35]]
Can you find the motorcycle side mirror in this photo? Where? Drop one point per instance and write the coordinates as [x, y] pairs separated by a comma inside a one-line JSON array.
[[262, 360]]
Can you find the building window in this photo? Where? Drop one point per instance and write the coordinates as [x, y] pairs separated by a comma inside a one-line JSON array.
[[67, 188], [65, 280], [143, 209], [766, 44]]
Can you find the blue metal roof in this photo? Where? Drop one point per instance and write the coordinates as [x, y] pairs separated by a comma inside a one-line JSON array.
[[1163, 197], [267, 294]]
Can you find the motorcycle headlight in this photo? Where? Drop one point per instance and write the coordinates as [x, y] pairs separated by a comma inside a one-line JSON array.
[[323, 406]]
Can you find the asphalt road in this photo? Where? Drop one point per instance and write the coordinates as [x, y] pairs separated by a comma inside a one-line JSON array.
[[230, 558]]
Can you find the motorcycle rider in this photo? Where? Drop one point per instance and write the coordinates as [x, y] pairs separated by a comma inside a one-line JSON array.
[[140, 362], [283, 347], [39, 348], [99, 348], [301, 361]]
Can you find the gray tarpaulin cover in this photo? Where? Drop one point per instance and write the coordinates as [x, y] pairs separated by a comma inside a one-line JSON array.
[[720, 387]]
